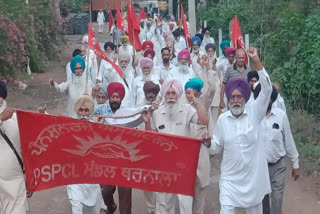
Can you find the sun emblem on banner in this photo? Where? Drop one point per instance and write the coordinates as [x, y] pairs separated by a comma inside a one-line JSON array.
[[107, 148]]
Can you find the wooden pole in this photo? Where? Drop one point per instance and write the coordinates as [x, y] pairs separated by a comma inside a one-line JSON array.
[[87, 65], [220, 41]]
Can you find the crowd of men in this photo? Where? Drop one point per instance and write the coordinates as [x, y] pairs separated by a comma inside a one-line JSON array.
[[220, 100]]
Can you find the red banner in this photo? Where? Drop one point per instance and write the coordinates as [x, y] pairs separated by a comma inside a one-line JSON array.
[[120, 22], [60, 150], [92, 42], [236, 35], [187, 34]]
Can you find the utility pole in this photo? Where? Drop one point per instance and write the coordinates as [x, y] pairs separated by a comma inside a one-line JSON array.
[[170, 2], [192, 16]]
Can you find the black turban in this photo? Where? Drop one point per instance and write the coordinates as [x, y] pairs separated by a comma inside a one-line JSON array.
[[3, 90]]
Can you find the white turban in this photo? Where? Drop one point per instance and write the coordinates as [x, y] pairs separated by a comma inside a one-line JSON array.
[[85, 40], [124, 55]]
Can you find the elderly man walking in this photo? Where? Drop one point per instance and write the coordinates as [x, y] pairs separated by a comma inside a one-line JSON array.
[[175, 118], [84, 195], [244, 171]]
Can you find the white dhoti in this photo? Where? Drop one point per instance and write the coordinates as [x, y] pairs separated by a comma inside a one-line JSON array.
[[257, 209], [166, 203], [85, 195]]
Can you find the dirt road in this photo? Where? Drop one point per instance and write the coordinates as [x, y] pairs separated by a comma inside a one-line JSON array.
[[301, 197]]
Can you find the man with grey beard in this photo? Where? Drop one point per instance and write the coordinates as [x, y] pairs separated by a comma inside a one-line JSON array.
[[146, 65], [175, 118], [244, 170], [106, 67]]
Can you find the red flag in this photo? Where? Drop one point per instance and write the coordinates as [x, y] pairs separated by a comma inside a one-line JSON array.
[[92, 42], [59, 151], [110, 20], [133, 27], [187, 34], [142, 14], [236, 36], [120, 22]]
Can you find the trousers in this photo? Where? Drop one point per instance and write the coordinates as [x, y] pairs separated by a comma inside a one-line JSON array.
[[277, 174], [125, 197], [78, 207], [166, 203]]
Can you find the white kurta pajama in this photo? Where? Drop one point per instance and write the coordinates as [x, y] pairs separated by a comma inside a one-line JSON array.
[[166, 202], [244, 170], [100, 20], [12, 183]]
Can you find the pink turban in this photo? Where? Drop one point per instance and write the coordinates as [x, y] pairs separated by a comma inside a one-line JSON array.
[[241, 85], [150, 51], [175, 84], [116, 87], [147, 43], [229, 51], [146, 62], [185, 53]]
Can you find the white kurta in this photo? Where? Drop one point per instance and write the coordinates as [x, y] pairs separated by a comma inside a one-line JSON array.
[[138, 87], [105, 67], [100, 18], [12, 184], [244, 170], [88, 194], [181, 76], [179, 45], [75, 88], [195, 65]]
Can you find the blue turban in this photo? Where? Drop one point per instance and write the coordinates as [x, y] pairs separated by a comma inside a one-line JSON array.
[[195, 84], [224, 44], [3, 90], [196, 39], [75, 60], [210, 45]]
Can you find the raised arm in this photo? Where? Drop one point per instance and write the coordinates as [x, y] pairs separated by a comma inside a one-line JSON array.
[[261, 103]]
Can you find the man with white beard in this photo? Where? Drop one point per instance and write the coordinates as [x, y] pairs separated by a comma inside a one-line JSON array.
[[244, 177], [175, 118], [206, 38], [100, 20], [196, 55], [92, 56], [92, 73], [183, 72], [127, 80], [12, 181], [146, 65], [106, 67], [75, 87], [126, 48], [84, 195], [68, 69]]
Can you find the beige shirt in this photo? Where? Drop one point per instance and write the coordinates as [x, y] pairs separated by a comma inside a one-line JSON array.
[[181, 126]]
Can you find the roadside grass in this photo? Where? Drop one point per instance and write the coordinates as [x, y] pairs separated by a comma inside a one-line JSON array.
[[306, 133]]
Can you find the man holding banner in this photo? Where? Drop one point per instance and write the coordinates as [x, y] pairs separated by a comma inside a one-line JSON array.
[[174, 118]]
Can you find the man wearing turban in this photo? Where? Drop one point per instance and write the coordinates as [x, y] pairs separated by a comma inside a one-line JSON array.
[[183, 72], [147, 46], [116, 93], [93, 63], [12, 180], [84, 195], [76, 87], [223, 64], [224, 44], [244, 171], [196, 54], [68, 68], [106, 67], [206, 38], [174, 118], [146, 65], [126, 47], [179, 42]]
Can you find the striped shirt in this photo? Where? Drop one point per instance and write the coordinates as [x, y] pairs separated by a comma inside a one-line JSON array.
[[232, 71]]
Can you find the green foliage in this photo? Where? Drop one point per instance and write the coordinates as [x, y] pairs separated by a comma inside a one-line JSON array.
[[287, 35], [29, 32], [73, 6]]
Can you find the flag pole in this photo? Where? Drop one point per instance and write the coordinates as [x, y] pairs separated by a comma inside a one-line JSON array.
[[87, 67]]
